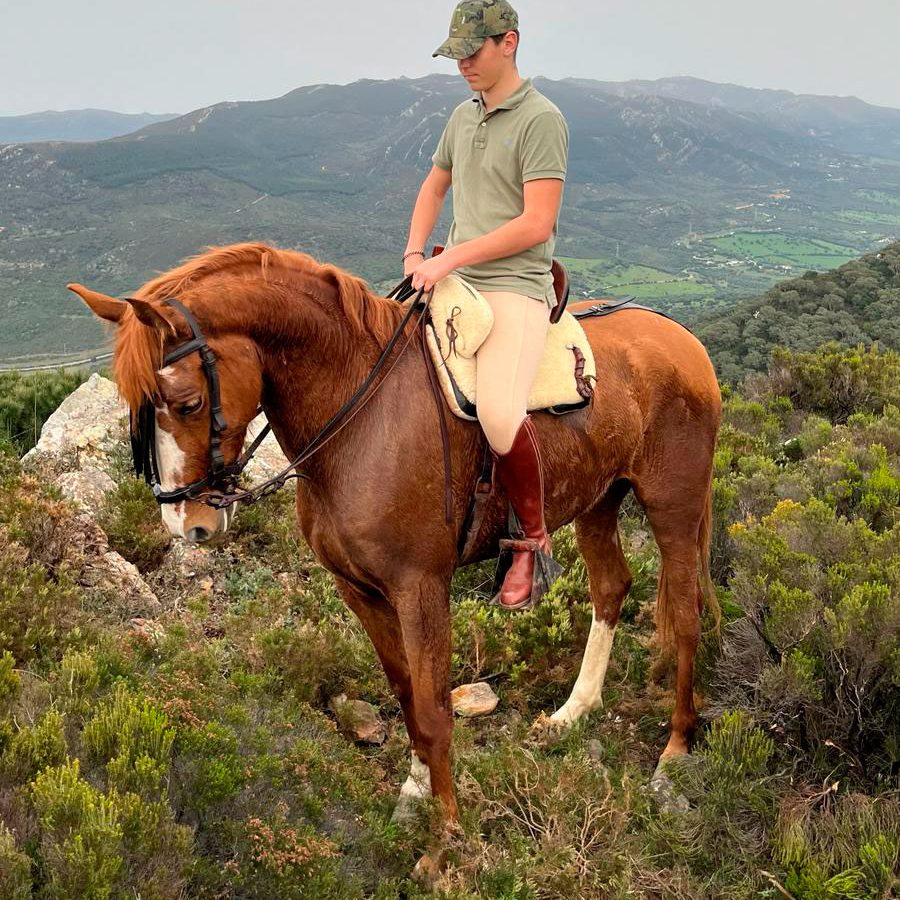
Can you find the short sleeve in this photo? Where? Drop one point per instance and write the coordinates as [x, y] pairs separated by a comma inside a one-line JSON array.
[[443, 154], [545, 147]]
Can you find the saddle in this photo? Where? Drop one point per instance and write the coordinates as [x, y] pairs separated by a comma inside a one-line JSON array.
[[460, 319]]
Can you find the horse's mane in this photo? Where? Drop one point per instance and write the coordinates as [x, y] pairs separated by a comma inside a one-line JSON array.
[[139, 349]]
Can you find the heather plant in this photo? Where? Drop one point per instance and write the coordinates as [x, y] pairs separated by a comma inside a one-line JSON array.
[[815, 655], [729, 783], [33, 748], [133, 738], [833, 381], [130, 517], [95, 844], [37, 608], [79, 678], [837, 846], [15, 868]]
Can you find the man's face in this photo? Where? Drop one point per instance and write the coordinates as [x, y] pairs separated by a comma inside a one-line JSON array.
[[482, 70]]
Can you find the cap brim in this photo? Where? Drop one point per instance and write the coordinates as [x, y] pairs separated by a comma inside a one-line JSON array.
[[459, 48]]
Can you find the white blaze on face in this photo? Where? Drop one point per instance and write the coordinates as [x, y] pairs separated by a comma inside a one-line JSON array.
[[587, 694], [170, 462]]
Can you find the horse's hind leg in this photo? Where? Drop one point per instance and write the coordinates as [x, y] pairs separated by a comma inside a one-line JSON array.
[[678, 524], [610, 578]]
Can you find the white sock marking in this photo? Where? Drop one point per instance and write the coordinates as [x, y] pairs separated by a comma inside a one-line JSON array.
[[418, 784], [587, 694]]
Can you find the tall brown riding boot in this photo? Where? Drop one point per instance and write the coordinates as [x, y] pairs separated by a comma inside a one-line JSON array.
[[531, 569]]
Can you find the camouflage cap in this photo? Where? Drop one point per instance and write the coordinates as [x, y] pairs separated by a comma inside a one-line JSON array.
[[473, 22]]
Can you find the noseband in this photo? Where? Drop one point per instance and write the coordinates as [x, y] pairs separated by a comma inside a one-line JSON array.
[[219, 486]]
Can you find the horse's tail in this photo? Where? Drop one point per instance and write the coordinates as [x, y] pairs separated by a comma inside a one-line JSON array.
[[706, 590]]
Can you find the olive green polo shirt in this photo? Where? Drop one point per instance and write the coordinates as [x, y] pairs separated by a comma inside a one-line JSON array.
[[491, 155]]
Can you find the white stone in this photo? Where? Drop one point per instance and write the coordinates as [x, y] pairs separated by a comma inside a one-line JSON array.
[[470, 700], [89, 421], [268, 460]]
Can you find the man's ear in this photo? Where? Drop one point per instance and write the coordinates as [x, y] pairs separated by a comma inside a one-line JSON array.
[[107, 308], [151, 315]]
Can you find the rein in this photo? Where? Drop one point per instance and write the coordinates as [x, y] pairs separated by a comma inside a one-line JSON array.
[[222, 478]]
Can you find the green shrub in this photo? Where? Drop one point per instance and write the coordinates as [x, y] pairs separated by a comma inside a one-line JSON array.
[[814, 656], [276, 859], [36, 610], [95, 845], [33, 749], [15, 869], [846, 848], [79, 677], [130, 517], [134, 739]]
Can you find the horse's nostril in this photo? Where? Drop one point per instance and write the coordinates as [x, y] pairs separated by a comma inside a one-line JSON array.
[[198, 534]]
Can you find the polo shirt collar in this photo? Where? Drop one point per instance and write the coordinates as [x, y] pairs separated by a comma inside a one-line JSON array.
[[513, 100]]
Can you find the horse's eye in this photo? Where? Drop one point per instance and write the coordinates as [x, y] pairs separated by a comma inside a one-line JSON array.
[[192, 407]]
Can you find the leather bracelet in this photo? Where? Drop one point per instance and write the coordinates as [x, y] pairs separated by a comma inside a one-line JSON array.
[[413, 253]]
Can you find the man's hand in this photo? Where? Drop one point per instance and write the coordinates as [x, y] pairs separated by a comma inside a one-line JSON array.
[[410, 263], [426, 273]]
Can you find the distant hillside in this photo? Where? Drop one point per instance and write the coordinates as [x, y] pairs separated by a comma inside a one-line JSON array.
[[73, 125], [682, 204], [856, 303], [847, 123]]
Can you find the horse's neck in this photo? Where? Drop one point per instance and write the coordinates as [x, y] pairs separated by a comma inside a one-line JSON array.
[[313, 361]]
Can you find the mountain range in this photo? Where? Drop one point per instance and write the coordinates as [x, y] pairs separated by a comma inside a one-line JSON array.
[[687, 194], [74, 125]]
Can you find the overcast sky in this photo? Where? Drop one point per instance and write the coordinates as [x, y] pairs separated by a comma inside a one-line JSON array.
[[178, 55]]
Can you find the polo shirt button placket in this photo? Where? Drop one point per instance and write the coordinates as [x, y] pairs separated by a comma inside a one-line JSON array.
[[481, 136]]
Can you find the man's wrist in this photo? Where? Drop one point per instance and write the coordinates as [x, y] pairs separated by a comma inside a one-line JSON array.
[[413, 253]]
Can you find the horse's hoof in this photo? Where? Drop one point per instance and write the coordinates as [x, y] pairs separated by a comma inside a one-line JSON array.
[[667, 797], [429, 867], [545, 731]]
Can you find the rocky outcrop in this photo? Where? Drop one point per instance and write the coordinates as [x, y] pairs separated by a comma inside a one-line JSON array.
[[85, 489], [83, 430]]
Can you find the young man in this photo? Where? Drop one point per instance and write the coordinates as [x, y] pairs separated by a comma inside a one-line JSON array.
[[504, 152]]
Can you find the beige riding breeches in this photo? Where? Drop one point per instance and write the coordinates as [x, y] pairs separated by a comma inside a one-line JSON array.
[[507, 363]]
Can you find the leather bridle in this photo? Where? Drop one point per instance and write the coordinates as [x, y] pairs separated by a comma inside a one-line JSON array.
[[218, 488]]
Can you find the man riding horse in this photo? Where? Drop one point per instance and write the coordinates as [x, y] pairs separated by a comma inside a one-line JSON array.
[[504, 153]]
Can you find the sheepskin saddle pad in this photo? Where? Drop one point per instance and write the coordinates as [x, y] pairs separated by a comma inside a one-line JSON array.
[[461, 319]]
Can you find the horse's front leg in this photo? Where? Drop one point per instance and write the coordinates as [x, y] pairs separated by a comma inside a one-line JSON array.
[[382, 625], [423, 608]]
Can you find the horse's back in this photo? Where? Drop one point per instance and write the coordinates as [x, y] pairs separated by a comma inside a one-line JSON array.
[[651, 359]]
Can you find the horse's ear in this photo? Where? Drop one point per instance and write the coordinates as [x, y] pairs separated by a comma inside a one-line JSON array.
[[151, 315], [100, 305]]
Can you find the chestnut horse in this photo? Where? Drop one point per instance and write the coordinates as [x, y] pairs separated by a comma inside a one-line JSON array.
[[297, 337]]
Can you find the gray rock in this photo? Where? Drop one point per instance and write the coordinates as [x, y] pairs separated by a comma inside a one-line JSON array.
[[359, 719], [106, 569], [268, 460], [87, 488], [88, 423], [667, 797]]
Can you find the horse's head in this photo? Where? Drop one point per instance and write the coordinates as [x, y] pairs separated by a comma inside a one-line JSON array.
[[192, 389]]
